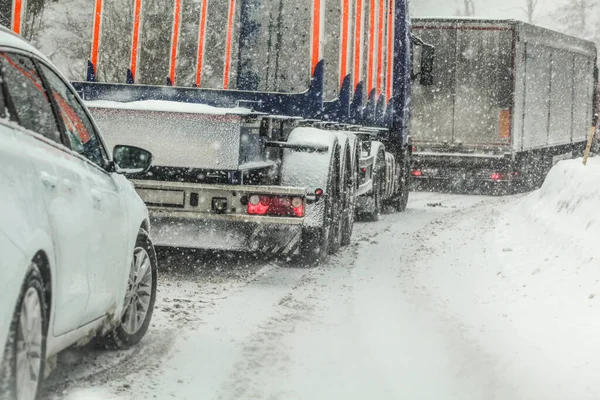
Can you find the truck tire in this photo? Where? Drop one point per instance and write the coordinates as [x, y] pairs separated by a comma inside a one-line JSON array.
[[318, 243], [141, 293], [348, 210], [337, 204], [378, 185], [30, 339], [400, 199]]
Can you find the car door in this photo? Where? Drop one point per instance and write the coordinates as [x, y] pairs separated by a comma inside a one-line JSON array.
[[108, 249], [61, 176], [22, 218]]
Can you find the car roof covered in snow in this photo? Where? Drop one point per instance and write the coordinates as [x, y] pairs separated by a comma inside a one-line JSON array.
[[10, 39]]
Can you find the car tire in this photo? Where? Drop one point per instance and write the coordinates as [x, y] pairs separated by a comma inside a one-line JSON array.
[[26, 344], [140, 293]]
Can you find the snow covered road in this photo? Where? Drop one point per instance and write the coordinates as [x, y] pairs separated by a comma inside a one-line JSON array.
[[450, 300]]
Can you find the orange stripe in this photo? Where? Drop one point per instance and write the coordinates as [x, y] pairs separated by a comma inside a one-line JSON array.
[[201, 41], [17, 17], [96, 34], [136, 36], [316, 37], [371, 58], [358, 43], [344, 44], [228, 44], [390, 51], [380, 47], [175, 41], [29, 75]]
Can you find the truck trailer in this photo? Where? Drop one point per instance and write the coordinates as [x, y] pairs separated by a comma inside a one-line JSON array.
[[308, 128], [508, 100]]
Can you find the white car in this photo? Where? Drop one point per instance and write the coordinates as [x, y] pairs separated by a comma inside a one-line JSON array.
[[76, 261]]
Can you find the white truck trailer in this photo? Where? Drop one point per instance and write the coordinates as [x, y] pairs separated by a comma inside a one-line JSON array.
[[508, 100]]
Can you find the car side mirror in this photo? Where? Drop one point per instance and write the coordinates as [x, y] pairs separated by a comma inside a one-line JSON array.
[[427, 63], [131, 159]]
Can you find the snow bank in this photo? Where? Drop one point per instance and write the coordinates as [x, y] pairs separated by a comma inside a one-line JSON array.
[[568, 203], [521, 275], [542, 274], [93, 394]]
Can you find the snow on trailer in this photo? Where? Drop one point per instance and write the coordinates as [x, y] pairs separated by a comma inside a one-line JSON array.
[[271, 158], [509, 100]]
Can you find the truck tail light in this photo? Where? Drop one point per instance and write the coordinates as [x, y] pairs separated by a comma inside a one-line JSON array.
[[276, 205], [417, 172]]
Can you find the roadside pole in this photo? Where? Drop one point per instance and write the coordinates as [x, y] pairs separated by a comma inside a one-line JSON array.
[[595, 130], [588, 148]]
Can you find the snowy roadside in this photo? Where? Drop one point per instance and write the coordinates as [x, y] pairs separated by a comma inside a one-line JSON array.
[[461, 297], [190, 284], [523, 279]]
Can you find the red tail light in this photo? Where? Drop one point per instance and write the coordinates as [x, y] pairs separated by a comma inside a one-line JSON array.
[[276, 205], [417, 172], [496, 176]]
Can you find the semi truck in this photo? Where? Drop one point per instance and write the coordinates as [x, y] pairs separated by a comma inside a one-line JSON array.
[[508, 100], [308, 127]]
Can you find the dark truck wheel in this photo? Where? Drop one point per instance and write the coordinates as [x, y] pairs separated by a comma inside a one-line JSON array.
[[23, 364], [337, 205], [400, 200], [351, 188], [139, 298], [378, 185], [318, 243], [348, 210]]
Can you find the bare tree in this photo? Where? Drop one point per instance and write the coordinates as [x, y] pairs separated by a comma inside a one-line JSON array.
[[469, 7], [5, 12], [530, 7], [579, 18], [574, 16]]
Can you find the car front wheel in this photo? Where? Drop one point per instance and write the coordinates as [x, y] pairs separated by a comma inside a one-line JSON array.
[[139, 299]]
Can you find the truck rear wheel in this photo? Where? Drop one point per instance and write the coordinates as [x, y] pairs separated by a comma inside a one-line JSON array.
[[378, 185], [348, 210], [318, 243], [337, 204], [400, 200]]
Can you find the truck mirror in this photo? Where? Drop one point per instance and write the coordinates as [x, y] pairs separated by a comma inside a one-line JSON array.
[[427, 62]]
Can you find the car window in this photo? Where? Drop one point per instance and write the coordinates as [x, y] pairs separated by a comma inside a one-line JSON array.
[[32, 105], [80, 131]]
